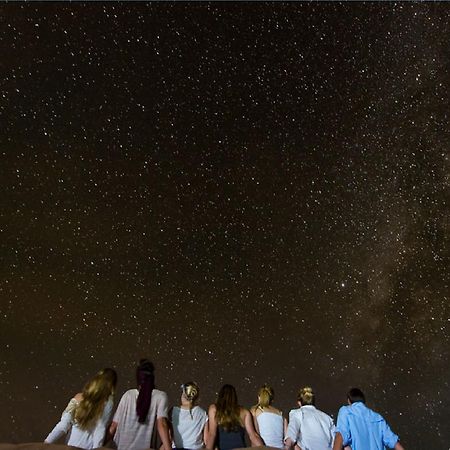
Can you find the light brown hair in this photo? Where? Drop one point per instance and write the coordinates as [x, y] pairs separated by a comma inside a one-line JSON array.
[[227, 408], [95, 394], [265, 396], [306, 396]]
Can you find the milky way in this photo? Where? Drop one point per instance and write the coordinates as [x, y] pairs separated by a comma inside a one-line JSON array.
[[243, 192]]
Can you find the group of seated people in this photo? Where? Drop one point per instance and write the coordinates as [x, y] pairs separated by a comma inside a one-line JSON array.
[[86, 421]]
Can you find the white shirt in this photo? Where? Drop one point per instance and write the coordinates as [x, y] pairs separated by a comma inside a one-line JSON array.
[[85, 439], [311, 429], [130, 434], [271, 430], [188, 427]]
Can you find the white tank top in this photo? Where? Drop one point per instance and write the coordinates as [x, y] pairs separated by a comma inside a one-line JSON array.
[[271, 429]]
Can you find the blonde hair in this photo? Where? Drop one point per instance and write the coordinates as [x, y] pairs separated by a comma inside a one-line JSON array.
[[265, 396], [191, 391], [306, 396], [95, 394]]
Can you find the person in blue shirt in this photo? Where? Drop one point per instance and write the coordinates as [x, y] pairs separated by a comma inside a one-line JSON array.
[[361, 428]]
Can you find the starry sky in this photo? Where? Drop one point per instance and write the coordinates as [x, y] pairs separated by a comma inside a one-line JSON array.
[[242, 192]]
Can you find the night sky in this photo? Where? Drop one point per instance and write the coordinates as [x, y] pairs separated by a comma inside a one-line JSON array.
[[242, 192]]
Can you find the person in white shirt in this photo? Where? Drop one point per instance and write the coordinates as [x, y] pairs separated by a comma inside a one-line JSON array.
[[86, 417], [269, 421], [309, 428], [189, 421], [139, 409]]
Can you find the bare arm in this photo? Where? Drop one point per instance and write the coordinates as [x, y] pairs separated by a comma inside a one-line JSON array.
[[399, 446], [285, 425], [255, 439], [253, 412], [205, 432], [112, 429], [338, 442], [212, 428], [163, 431]]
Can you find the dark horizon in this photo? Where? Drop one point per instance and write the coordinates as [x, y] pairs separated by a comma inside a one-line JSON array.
[[243, 192]]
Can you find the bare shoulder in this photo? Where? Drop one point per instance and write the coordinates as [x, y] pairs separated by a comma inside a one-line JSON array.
[[78, 397], [212, 408], [244, 412]]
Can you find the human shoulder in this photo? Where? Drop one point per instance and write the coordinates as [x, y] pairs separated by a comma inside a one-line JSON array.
[[324, 415], [212, 408], [243, 413], [130, 394], [78, 397], [344, 410], [160, 396], [199, 410], [274, 410], [372, 415], [158, 392]]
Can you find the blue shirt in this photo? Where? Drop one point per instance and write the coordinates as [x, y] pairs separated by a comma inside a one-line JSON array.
[[364, 429]]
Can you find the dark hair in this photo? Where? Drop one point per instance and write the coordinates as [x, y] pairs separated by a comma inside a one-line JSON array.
[[146, 381], [227, 408], [356, 395], [111, 375]]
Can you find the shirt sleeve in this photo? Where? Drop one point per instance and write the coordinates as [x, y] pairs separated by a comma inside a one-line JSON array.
[[332, 432], [60, 429], [102, 422], [119, 414], [389, 437], [342, 426], [163, 406], [293, 430]]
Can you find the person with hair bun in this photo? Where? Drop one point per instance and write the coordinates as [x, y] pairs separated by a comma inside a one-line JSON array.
[[88, 413], [138, 411], [189, 421], [269, 421], [309, 428]]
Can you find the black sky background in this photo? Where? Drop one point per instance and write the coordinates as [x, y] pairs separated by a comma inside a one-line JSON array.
[[243, 192]]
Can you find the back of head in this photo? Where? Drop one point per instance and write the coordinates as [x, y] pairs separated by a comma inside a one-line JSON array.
[[145, 378], [265, 396], [227, 408], [191, 391], [110, 376], [306, 396], [95, 394], [356, 395]]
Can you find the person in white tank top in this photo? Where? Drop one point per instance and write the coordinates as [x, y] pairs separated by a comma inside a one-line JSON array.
[[189, 422], [269, 421]]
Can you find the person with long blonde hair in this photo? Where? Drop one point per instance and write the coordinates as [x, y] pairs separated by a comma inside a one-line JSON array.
[[87, 415], [228, 422], [189, 422], [268, 420], [309, 428]]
